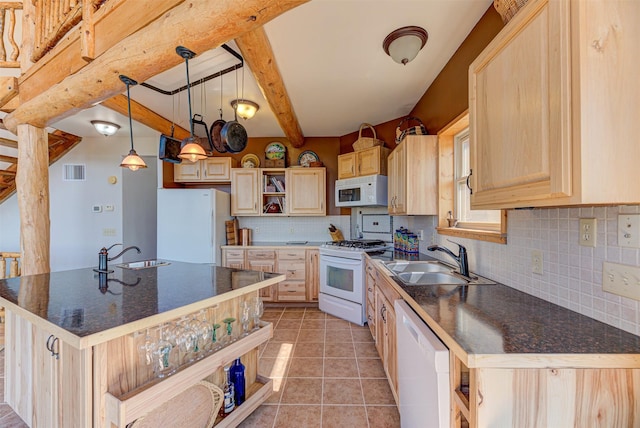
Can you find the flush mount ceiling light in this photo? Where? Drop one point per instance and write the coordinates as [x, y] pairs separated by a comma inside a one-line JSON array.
[[404, 43], [246, 109], [132, 161], [190, 149], [105, 128]]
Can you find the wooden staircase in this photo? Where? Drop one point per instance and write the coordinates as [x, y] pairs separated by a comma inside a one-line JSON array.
[[59, 143]]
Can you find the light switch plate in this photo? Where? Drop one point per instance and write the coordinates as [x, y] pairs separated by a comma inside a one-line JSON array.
[[622, 280], [588, 231], [629, 230]]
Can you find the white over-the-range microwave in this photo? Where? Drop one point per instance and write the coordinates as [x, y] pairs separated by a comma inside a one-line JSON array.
[[364, 191]]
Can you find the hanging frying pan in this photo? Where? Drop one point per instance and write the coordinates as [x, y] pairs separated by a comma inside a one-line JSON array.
[[216, 127], [234, 136], [207, 144]]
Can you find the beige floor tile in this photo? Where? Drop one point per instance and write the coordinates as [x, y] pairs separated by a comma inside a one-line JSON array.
[[314, 314], [309, 350], [285, 335], [295, 309], [362, 335], [344, 416], [337, 324], [340, 367], [371, 367], [278, 350], [338, 336], [289, 324], [339, 350], [298, 417], [278, 388], [342, 391], [366, 349], [313, 324], [311, 335], [262, 417], [377, 391], [306, 367], [292, 315], [383, 417], [302, 391], [274, 367]]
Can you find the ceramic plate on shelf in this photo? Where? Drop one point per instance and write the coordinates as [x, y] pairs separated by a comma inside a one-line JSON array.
[[307, 157], [275, 150], [250, 161]]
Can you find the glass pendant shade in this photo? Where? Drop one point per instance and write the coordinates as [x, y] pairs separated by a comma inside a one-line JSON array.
[[191, 150], [105, 128], [246, 109], [133, 161], [403, 44]]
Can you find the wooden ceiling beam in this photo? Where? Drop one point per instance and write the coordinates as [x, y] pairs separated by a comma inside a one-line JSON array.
[[8, 143], [256, 50], [8, 89], [200, 25], [145, 115]]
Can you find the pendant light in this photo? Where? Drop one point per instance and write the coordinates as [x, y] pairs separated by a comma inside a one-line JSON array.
[[190, 150], [132, 161]]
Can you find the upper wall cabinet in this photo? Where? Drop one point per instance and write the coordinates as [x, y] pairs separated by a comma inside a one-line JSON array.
[[363, 162], [413, 188], [553, 104], [210, 170]]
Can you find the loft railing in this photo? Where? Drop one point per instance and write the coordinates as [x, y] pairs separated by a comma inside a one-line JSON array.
[[7, 31]]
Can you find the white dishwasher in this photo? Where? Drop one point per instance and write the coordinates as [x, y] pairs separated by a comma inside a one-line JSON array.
[[423, 372]]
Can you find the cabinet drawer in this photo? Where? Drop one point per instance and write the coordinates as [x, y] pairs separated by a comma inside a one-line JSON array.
[[291, 254], [291, 290], [234, 254], [261, 254], [294, 270], [371, 317]]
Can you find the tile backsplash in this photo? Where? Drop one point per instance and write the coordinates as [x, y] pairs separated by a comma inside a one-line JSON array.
[[572, 274], [313, 229]]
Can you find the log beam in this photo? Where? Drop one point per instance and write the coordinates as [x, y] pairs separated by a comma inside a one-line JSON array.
[[8, 89], [256, 50], [9, 159], [32, 183], [200, 25], [144, 115], [8, 143]]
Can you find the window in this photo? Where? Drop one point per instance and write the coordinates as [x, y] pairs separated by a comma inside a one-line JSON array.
[[454, 196], [468, 218]]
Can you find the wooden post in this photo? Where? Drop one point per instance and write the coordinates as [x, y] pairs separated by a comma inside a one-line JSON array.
[[32, 185]]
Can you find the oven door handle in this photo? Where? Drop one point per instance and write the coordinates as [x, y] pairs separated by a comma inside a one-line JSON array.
[[336, 261]]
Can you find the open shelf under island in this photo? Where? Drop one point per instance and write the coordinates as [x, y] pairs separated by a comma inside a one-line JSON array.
[[92, 374]]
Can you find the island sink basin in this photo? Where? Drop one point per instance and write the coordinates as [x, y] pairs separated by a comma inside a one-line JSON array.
[[143, 264]]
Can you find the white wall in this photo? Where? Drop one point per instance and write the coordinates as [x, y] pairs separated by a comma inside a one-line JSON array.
[[572, 274], [77, 232]]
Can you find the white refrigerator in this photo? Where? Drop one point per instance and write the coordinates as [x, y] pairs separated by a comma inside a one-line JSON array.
[[191, 224]]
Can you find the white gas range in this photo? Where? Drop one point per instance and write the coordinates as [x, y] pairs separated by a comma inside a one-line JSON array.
[[342, 291]]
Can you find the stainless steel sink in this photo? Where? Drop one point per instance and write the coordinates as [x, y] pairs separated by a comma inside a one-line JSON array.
[[143, 264], [430, 273]]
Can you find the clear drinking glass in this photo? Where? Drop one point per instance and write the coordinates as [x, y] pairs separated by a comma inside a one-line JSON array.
[[245, 316], [146, 348], [165, 356], [258, 311]]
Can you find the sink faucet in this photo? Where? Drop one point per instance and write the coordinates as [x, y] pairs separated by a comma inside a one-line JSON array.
[[461, 258], [103, 256]]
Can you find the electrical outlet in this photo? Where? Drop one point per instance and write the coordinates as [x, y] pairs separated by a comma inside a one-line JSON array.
[[108, 207], [588, 231], [622, 280], [292, 230], [536, 262], [256, 230], [421, 234], [108, 232], [629, 230]]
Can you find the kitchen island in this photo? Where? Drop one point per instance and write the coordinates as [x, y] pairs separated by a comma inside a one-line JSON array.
[[72, 338], [517, 360]]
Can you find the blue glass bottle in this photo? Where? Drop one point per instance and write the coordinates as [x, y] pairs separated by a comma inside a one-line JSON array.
[[237, 377]]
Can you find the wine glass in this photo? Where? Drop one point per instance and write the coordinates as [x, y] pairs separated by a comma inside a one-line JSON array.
[[258, 311], [245, 316], [146, 348], [228, 338], [164, 356], [187, 341]]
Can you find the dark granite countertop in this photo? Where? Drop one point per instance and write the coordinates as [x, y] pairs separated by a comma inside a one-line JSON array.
[[486, 322], [82, 304]]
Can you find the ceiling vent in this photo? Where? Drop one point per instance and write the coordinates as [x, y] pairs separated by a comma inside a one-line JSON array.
[[74, 172]]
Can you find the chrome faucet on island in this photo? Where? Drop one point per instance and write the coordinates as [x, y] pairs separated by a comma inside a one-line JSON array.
[[461, 258], [104, 259]]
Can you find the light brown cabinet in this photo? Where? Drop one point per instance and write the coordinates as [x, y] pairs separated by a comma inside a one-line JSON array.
[[210, 170], [299, 265], [563, 130], [363, 162], [278, 192], [412, 181]]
